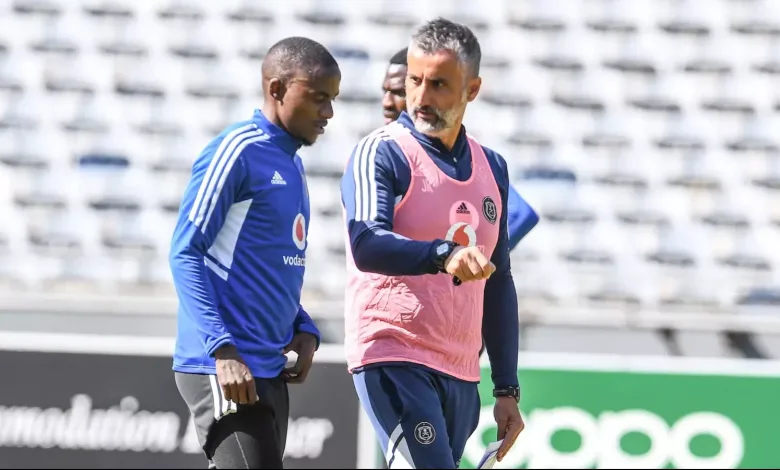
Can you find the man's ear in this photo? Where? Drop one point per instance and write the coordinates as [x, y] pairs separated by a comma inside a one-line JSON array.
[[474, 85], [276, 89]]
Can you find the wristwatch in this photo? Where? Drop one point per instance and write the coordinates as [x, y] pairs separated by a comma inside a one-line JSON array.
[[513, 392], [443, 251]]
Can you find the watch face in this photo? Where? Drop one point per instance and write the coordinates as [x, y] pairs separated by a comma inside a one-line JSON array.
[[443, 248]]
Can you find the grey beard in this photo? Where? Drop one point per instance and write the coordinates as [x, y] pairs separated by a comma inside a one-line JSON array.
[[444, 121]]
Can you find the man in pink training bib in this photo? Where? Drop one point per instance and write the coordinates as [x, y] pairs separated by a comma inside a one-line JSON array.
[[428, 264]]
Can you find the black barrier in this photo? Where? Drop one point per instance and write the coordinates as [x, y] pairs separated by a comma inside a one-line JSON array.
[[68, 410]]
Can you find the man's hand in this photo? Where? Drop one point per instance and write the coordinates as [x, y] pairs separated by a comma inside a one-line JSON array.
[[234, 377], [469, 264], [304, 344], [509, 422]]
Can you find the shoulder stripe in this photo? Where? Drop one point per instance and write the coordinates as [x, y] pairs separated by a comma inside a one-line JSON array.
[[256, 137], [358, 175], [217, 169], [364, 174], [236, 133], [370, 209]]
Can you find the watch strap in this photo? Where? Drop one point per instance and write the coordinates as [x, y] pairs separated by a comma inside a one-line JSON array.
[[441, 257], [513, 392]]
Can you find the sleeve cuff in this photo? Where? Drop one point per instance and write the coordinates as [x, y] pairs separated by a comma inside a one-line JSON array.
[[218, 343], [312, 330], [506, 380]]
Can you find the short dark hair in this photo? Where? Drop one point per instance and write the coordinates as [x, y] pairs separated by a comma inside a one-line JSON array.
[[294, 54], [442, 34], [400, 57]]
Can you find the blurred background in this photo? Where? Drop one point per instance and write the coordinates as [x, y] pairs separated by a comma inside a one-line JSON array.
[[644, 133]]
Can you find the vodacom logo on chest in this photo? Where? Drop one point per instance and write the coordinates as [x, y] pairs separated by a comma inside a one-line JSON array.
[[464, 221], [299, 239], [299, 231]]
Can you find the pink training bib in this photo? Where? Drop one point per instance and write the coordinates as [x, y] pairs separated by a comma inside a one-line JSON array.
[[426, 319]]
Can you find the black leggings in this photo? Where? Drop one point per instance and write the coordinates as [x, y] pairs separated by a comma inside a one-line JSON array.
[[249, 438], [243, 436]]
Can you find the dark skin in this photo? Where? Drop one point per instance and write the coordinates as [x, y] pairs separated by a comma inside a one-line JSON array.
[[438, 86], [394, 92], [234, 377], [304, 345], [236, 380], [300, 103]]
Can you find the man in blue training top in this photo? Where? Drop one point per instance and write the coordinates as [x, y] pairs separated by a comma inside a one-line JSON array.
[[238, 257], [521, 218]]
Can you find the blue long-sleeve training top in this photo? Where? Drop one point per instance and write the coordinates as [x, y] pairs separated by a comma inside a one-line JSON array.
[[521, 218], [238, 250], [376, 248]]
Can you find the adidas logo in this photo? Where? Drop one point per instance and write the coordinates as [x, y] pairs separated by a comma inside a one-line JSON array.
[[462, 209], [277, 179]]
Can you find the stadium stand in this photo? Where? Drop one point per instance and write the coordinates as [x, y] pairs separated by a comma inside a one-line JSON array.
[[641, 130]]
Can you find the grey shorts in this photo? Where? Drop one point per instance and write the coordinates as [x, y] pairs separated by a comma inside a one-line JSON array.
[[259, 430]]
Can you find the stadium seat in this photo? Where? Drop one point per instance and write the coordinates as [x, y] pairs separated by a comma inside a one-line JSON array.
[[769, 344], [702, 344], [594, 339]]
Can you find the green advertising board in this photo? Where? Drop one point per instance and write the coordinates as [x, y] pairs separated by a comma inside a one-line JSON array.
[[586, 411]]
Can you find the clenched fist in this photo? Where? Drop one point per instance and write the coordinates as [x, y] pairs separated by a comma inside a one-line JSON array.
[[469, 264]]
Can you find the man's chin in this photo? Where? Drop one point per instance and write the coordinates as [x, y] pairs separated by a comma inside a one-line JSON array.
[[428, 128], [308, 141]]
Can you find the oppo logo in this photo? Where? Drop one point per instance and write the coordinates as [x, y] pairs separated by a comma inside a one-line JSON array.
[[600, 440]]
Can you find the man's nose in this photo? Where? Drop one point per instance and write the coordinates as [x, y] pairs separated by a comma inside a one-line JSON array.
[[387, 100], [326, 111], [424, 95]]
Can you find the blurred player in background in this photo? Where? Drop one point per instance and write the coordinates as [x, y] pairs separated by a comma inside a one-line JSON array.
[[520, 216], [238, 258], [393, 86], [425, 210]]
